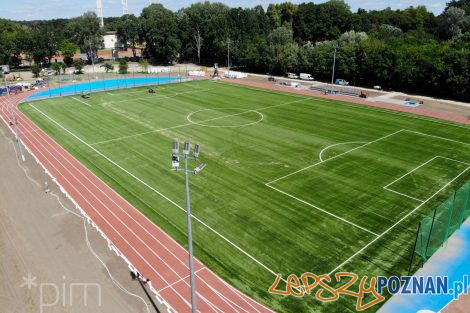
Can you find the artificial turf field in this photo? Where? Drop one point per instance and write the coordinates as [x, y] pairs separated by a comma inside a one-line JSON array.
[[293, 184]]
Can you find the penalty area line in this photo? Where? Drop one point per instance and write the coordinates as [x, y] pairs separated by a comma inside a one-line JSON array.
[[397, 223], [83, 102], [322, 210]]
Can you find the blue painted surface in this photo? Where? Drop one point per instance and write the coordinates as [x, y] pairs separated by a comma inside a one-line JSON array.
[[452, 260], [100, 85]]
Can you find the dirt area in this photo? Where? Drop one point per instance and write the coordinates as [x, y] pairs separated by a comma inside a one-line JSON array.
[[45, 263], [432, 105], [459, 306]]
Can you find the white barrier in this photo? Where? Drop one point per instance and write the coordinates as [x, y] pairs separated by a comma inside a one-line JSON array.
[[235, 75], [197, 73], [159, 70]]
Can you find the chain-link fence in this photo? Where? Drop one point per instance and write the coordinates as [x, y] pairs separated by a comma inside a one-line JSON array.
[[435, 228]]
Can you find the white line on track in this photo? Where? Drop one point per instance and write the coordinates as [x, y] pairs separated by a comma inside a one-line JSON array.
[[207, 301], [180, 280], [157, 192], [83, 102]]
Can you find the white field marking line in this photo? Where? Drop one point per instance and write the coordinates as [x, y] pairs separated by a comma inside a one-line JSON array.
[[337, 144], [188, 117], [450, 159], [413, 170], [163, 97], [334, 157], [394, 225], [324, 211], [276, 92], [438, 137], [402, 194], [158, 192], [80, 101], [207, 301], [192, 123], [387, 187], [124, 239], [112, 213], [180, 280], [367, 108]]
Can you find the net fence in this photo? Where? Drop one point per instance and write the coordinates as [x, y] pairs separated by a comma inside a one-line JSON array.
[[435, 228]]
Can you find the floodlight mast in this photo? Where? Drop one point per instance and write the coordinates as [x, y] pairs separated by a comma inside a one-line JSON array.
[[197, 170]]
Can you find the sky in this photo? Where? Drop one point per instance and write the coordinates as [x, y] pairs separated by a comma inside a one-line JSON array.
[[49, 9]]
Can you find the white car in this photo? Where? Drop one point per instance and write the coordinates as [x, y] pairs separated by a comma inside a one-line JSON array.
[[305, 76], [292, 76]]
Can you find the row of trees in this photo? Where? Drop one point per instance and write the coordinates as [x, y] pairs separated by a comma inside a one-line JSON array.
[[410, 49]]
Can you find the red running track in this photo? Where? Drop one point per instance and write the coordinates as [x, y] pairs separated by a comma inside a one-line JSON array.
[[142, 244]]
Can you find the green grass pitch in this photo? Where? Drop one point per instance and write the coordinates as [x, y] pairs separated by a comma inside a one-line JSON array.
[[299, 184]]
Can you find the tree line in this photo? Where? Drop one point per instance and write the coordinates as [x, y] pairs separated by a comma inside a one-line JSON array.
[[411, 50]]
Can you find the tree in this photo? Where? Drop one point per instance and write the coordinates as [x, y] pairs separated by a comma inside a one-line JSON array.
[[64, 67], [68, 50], [128, 28], [144, 64], [159, 29], [56, 67], [35, 69], [79, 64], [123, 66], [85, 32], [197, 44], [107, 67]]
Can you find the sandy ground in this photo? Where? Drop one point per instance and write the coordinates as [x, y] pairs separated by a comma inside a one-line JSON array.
[[40, 240], [462, 305]]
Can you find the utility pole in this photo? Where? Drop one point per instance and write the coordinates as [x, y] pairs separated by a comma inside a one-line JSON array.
[[334, 66], [92, 57], [229, 41], [14, 122]]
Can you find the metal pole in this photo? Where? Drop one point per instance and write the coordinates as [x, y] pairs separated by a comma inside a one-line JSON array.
[[13, 120], [190, 240], [414, 250], [333, 70], [92, 58], [430, 234]]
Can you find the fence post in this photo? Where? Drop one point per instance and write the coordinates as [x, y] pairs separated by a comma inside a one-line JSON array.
[[430, 233], [414, 250], [446, 234], [462, 218]]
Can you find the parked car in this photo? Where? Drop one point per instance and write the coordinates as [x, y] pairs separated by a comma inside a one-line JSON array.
[[341, 82], [292, 76], [305, 76]]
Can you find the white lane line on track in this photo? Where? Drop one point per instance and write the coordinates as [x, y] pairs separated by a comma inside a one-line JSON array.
[[36, 108], [244, 299]]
